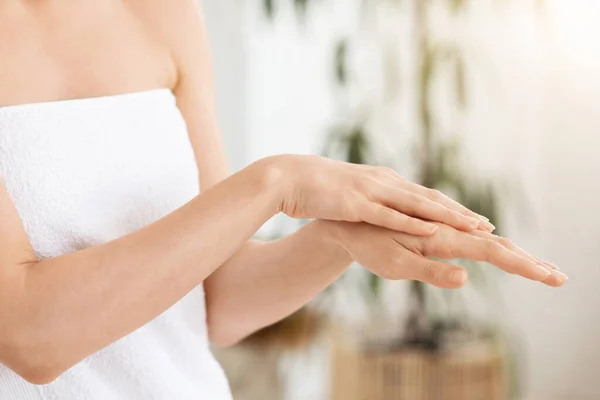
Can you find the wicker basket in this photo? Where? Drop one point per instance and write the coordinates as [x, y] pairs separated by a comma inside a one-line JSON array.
[[473, 372]]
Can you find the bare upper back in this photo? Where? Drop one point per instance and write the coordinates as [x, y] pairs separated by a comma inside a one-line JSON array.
[[65, 49]]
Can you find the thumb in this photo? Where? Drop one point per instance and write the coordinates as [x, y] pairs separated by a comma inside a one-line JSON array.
[[436, 273]]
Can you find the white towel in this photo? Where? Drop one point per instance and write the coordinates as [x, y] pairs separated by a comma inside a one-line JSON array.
[[83, 172]]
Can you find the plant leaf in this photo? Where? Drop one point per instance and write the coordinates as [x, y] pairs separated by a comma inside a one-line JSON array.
[[357, 146], [301, 8], [458, 5], [269, 8], [375, 286], [460, 82], [341, 62]]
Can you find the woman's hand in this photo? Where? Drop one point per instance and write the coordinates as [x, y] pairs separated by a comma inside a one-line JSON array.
[[320, 188], [394, 255]]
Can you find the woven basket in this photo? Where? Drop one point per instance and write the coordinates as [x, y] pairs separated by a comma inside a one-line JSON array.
[[471, 373]]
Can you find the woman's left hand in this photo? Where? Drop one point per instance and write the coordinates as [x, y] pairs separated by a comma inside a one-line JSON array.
[[394, 255]]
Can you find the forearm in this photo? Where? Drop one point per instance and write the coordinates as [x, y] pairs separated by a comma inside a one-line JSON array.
[[58, 311], [265, 282]]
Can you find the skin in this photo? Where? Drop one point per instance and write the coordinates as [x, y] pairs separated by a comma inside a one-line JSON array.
[[55, 312]]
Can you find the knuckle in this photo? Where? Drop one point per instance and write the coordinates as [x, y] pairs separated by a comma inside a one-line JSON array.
[[366, 210], [434, 194], [505, 242], [363, 211], [466, 211], [403, 218], [432, 272], [417, 247], [355, 214], [418, 199], [366, 186], [386, 170], [447, 251], [390, 268], [425, 247], [492, 249], [413, 223], [417, 204], [388, 215], [452, 215], [375, 172]]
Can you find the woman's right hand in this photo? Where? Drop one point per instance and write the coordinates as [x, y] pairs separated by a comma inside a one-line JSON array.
[[392, 255], [321, 188]]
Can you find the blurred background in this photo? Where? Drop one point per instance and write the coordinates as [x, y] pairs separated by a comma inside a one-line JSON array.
[[497, 103]]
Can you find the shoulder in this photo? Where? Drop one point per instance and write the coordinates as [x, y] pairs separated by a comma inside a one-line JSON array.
[[181, 24], [178, 24], [172, 15]]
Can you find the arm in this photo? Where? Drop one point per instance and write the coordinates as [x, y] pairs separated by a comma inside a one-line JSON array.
[[55, 312], [264, 282]]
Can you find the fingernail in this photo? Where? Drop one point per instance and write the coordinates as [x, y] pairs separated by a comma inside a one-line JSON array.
[[487, 225], [546, 263], [458, 277], [565, 277], [551, 265], [473, 222], [481, 217], [543, 271]]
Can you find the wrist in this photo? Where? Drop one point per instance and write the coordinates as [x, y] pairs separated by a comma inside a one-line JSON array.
[[271, 178], [331, 232], [275, 179]]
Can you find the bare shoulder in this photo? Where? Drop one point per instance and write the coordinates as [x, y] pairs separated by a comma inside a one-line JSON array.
[[178, 22], [181, 24], [170, 16]]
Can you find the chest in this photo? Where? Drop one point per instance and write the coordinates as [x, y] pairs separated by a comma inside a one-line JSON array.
[[76, 49]]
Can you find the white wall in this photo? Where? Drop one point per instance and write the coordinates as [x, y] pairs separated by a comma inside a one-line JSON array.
[[550, 78], [225, 22], [533, 118]]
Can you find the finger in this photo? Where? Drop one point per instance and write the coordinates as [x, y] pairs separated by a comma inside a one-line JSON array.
[[489, 250], [437, 196], [556, 278], [439, 274], [419, 206], [548, 264], [379, 215]]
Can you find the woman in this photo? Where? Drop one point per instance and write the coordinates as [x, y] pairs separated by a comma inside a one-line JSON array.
[[114, 272]]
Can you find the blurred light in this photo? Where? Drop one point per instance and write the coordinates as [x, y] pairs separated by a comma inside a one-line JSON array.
[[577, 25]]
